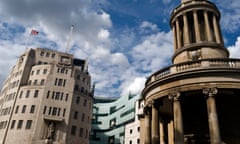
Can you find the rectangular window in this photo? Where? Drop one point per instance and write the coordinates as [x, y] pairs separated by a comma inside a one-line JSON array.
[[57, 95], [83, 116], [59, 111], [48, 93], [75, 116], [78, 100], [42, 53], [60, 81], [53, 55], [66, 99], [85, 103], [20, 122], [38, 71], [45, 71], [73, 130], [32, 109], [64, 111], [21, 93], [28, 93], [36, 93], [44, 109], [81, 132], [54, 112], [61, 96], [47, 54], [53, 94], [56, 80], [50, 110], [35, 82], [42, 82], [28, 124], [64, 83], [24, 109], [16, 109], [13, 124]]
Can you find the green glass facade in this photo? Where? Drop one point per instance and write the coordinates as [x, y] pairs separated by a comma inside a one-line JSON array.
[[110, 117]]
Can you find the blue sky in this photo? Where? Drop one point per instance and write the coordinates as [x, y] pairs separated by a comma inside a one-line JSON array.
[[124, 40]]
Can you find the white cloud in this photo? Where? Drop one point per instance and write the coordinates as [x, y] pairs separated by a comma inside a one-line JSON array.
[[135, 87], [235, 49]]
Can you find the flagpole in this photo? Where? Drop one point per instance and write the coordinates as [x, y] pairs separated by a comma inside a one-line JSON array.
[[27, 41]]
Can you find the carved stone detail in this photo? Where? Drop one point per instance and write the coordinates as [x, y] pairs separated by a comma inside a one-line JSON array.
[[175, 96], [210, 91]]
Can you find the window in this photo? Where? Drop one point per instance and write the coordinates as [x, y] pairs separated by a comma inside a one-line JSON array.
[[138, 129], [36, 93], [112, 122], [53, 55], [48, 93], [13, 124], [42, 53], [47, 54], [27, 94], [44, 71], [61, 96], [29, 82], [21, 93], [42, 82], [83, 116], [50, 110], [59, 111], [81, 132], [130, 142], [66, 97], [16, 110], [84, 102], [75, 115], [60, 81], [54, 112], [130, 131], [24, 109], [35, 82], [64, 82], [44, 109], [56, 80], [78, 100], [64, 111], [53, 94], [20, 122], [138, 141], [73, 130], [32, 73], [57, 95], [38, 71], [32, 109], [28, 124]]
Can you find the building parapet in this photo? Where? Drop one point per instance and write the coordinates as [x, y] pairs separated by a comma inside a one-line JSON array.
[[194, 65]]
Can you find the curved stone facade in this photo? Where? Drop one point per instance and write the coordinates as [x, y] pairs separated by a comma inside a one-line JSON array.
[[195, 99]]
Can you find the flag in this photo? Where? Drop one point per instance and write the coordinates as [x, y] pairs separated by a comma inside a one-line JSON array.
[[34, 32]]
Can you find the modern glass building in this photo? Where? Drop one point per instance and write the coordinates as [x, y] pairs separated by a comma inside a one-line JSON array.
[[110, 115]]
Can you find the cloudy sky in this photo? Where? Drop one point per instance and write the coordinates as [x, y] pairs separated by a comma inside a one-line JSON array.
[[124, 40]]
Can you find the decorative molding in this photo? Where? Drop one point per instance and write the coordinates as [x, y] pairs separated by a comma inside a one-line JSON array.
[[175, 96], [210, 91]]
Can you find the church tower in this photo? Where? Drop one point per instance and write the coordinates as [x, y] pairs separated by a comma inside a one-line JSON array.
[[197, 34], [194, 100]]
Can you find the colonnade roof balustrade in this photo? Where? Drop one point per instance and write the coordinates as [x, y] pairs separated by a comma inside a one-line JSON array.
[[204, 64]]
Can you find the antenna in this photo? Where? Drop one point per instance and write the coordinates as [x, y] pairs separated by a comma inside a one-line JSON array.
[[69, 39]]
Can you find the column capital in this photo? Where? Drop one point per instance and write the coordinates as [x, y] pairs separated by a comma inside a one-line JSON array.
[[212, 91], [175, 96]]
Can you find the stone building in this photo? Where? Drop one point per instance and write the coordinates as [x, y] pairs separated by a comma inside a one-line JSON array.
[[46, 99], [194, 100]]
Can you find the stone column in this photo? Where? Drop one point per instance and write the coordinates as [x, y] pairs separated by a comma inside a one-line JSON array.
[[170, 132], [147, 137], [178, 34], [155, 124], [196, 27], [212, 115], [185, 29], [174, 36], [178, 123], [207, 26], [216, 30], [162, 134]]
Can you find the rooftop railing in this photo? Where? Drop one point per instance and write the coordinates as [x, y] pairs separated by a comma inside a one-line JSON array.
[[194, 65]]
